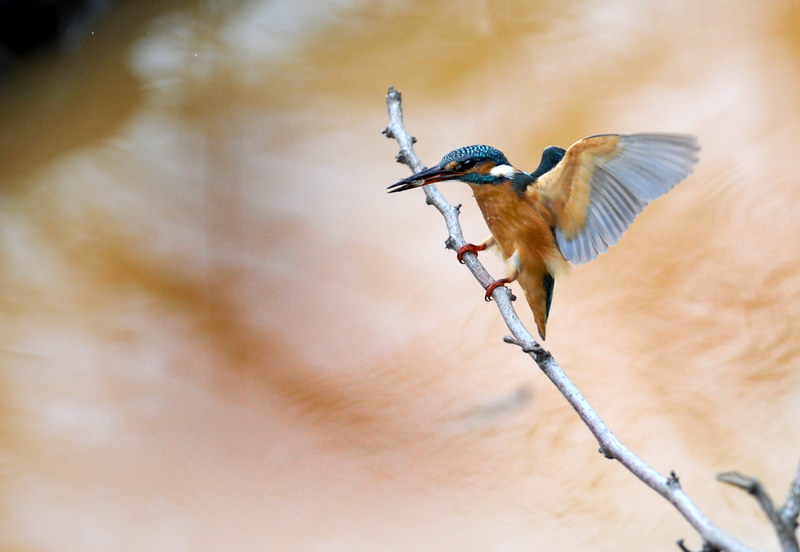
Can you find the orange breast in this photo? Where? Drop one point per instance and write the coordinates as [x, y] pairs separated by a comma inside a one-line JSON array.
[[521, 224]]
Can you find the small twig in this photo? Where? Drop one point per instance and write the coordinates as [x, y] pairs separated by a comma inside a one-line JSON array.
[[610, 446], [753, 486], [532, 347]]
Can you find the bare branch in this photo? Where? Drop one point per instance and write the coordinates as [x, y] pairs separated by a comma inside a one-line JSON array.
[[791, 508], [754, 487], [668, 487]]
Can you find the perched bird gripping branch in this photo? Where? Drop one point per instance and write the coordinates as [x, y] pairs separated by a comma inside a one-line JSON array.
[[574, 206]]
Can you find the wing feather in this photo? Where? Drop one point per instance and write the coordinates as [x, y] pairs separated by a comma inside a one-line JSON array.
[[604, 181]]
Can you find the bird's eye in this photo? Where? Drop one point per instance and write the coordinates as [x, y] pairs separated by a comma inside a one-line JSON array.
[[467, 164]]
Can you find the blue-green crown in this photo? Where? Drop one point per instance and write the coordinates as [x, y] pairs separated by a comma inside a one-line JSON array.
[[477, 152], [473, 155]]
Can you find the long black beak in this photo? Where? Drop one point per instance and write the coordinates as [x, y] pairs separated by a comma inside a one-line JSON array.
[[422, 178]]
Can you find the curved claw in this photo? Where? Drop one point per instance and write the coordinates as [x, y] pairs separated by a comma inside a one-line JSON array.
[[468, 248], [493, 286]]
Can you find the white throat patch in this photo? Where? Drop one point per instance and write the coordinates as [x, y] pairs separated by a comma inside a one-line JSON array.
[[505, 171]]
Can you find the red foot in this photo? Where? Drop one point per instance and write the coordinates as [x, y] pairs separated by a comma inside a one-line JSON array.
[[494, 285], [471, 248]]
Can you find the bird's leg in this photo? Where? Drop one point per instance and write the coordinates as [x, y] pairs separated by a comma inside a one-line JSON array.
[[512, 269], [472, 248]]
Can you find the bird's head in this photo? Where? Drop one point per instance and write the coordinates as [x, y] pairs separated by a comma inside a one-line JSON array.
[[471, 164]]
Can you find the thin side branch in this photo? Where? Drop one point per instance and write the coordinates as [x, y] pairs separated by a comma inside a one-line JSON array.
[[668, 487], [783, 527]]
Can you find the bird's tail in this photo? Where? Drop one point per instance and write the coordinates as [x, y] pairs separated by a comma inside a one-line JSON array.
[[538, 288]]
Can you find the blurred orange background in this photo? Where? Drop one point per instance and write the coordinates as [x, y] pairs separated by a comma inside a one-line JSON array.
[[220, 333]]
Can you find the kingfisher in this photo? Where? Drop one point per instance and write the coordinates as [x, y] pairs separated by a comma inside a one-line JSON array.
[[573, 207]]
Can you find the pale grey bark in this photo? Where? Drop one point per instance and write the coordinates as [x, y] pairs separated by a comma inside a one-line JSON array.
[[784, 520]]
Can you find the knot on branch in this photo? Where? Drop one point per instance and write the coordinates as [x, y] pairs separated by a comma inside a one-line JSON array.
[[673, 481], [606, 453], [537, 350], [707, 547], [531, 348]]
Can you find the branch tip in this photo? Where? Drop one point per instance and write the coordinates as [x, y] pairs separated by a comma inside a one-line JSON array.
[[742, 481]]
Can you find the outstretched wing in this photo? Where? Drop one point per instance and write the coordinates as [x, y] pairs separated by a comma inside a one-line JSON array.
[[604, 181]]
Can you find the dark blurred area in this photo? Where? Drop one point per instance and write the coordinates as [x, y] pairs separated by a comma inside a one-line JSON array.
[[31, 26]]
